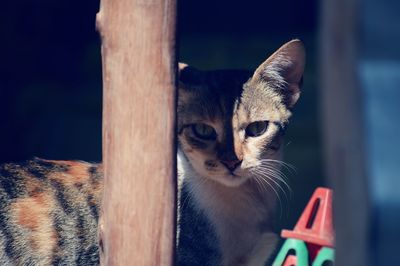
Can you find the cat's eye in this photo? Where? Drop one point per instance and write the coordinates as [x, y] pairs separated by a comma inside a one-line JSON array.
[[256, 129], [203, 131]]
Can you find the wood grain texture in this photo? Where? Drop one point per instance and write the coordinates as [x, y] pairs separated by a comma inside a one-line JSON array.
[[344, 130], [137, 225]]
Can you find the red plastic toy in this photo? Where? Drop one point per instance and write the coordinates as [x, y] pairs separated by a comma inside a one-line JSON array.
[[291, 260], [315, 224], [312, 239]]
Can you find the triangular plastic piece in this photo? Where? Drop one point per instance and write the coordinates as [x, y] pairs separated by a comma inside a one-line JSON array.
[[325, 255], [291, 260], [292, 246], [315, 224]]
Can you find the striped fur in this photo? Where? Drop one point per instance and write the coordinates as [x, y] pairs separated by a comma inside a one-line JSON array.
[[49, 212]]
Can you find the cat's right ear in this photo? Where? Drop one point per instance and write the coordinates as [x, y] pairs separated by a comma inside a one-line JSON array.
[[186, 79], [181, 73], [283, 71], [181, 68], [189, 76]]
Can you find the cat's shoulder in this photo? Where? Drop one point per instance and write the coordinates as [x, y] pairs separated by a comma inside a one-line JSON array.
[[41, 169], [37, 175]]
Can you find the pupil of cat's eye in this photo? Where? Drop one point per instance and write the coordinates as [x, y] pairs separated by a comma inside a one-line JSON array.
[[204, 131], [256, 129]]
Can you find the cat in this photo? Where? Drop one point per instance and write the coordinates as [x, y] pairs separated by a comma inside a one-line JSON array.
[[230, 128]]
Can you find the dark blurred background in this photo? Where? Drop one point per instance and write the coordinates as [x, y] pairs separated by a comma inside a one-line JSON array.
[[51, 87]]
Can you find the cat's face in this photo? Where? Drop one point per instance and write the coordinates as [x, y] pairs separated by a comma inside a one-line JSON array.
[[231, 122]]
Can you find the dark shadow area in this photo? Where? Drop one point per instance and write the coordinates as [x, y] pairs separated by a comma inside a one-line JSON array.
[[50, 81], [50, 75]]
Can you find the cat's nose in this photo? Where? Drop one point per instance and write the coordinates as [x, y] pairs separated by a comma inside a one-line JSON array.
[[231, 164]]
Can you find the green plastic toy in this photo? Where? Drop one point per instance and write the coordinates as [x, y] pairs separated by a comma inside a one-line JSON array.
[[324, 255], [298, 246]]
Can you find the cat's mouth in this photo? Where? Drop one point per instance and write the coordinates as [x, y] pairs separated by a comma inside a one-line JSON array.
[[232, 179]]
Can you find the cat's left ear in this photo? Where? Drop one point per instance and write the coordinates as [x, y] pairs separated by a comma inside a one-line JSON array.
[[283, 71]]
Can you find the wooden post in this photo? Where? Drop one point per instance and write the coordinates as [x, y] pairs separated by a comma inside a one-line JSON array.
[[138, 212], [344, 130]]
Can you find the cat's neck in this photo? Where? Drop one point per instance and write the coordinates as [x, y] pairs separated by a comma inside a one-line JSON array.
[[248, 204], [240, 215], [249, 199]]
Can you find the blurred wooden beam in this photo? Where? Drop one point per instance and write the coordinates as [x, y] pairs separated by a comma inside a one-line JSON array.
[[138, 212], [344, 131]]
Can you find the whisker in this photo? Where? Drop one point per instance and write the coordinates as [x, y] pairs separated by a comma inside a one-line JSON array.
[[266, 172], [278, 175], [258, 184], [266, 163], [267, 175], [265, 182], [287, 166]]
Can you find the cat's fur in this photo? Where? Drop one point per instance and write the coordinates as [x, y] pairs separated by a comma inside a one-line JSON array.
[[49, 213], [49, 209]]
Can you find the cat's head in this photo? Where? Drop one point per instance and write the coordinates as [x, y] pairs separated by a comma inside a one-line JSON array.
[[230, 122]]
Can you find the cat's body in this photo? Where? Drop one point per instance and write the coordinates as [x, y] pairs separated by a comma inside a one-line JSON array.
[[230, 126], [49, 213]]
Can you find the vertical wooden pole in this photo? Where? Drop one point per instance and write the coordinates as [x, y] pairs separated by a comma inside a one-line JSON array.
[[138, 212], [344, 129]]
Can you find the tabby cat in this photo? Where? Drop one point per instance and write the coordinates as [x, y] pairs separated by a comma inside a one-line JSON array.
[[230, 127]]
